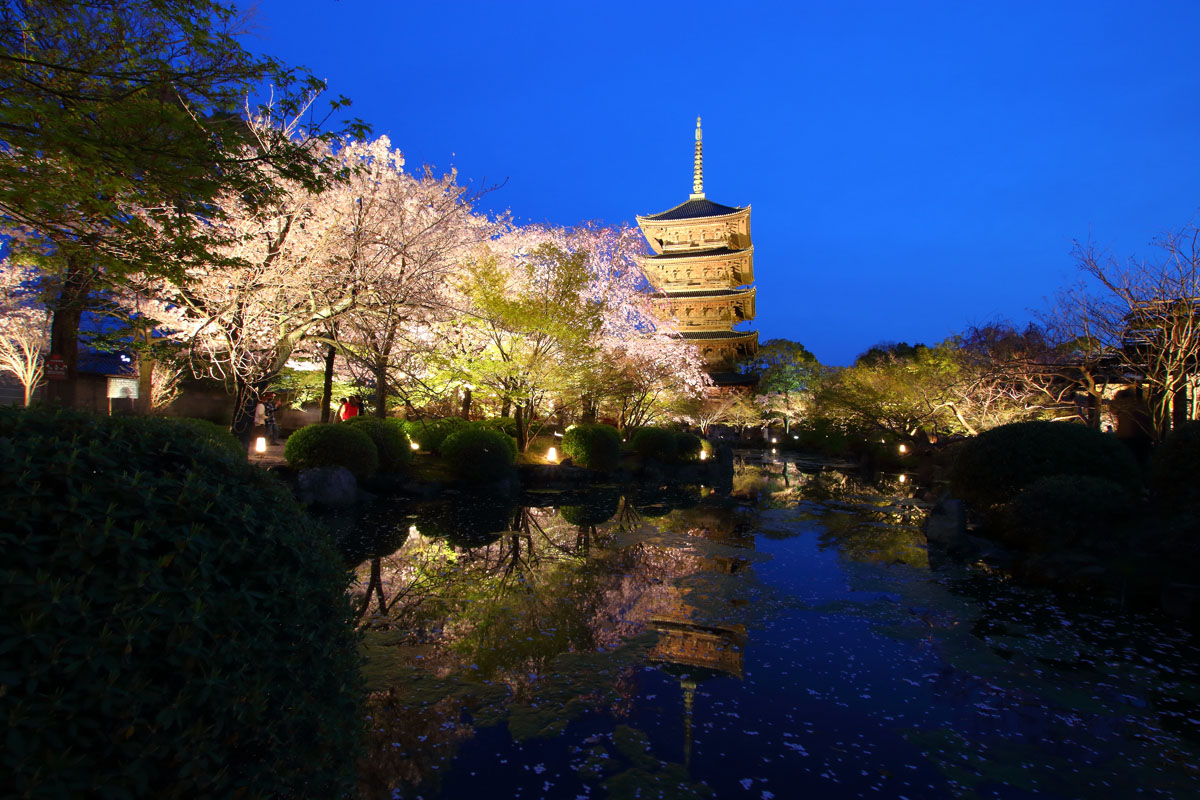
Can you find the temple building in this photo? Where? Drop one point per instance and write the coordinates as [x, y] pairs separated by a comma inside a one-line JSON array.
[[702, 271]]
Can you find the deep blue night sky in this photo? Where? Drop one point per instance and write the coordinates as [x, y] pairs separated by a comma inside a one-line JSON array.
[[913, 167]]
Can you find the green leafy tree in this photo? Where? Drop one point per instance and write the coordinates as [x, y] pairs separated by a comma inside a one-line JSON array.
[[788, 373], [531, 323], [122, 121]]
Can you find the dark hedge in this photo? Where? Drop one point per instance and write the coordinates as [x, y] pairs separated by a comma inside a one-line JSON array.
[[688, 446], [212, 433], [1175, 468], [1064, 511], [171, 624], [991, 468]]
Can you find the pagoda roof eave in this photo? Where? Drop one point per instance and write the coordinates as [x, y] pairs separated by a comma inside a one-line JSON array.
[[659, 219], [677, 255], [691, 294], [725, 336]]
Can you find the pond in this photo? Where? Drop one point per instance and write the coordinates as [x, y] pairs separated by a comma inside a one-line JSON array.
[[795, 640]]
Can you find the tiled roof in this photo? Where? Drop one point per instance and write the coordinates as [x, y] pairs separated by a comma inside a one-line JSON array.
[[702, 293], [720, 251], [717, 334], [693, 209]]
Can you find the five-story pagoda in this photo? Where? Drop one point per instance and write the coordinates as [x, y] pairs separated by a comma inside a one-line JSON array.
[[702, 270]]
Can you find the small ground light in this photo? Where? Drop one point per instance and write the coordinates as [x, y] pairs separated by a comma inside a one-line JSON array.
[[903, 448], [415, 446], [774, 440], [903, 478], [703, 454], [552, 454], [260, 444]]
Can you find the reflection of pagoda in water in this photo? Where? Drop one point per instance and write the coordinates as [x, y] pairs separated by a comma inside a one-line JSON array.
[[695, 650], [702, 270]]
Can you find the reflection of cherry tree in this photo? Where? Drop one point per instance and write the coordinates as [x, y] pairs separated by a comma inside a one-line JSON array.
[[541, 589]]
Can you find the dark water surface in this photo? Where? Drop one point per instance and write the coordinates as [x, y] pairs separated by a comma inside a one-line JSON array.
[[794, 642]]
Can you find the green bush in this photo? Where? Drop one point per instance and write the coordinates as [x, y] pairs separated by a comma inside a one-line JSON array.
[[212, 433], [328, 444], [1175, 468], [594, 446], [688, 446], [479, 455], [658, 443], [173, 626], [991, 468], [1065, 510], [391, 442], [430, 434], [507, 425]]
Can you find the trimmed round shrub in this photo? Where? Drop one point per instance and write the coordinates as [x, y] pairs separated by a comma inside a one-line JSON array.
[[1175, 468], [173, 625], [688, 446], [658, 443], [991, 468], [430, 434], [593, 446], [506, 425], [479, 455], [328, 444], [218, 436], [391, 442], [1065, 510]]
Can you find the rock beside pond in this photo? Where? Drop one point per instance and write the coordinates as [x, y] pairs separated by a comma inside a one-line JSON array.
[[328, 487], [946, 526]]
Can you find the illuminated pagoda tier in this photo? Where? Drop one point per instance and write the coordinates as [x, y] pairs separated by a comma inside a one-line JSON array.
[[702, 271]]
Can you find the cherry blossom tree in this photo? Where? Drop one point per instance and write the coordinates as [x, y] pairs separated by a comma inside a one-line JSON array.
[[24, 325], [408, 233]]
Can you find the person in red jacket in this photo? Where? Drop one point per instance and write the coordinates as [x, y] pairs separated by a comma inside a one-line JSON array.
[[349, 408]]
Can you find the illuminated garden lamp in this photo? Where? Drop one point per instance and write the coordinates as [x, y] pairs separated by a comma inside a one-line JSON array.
[[260, 444], [903, 449], [774, 440], [415, 446], [703, 454], [903, 478], [552, 455]]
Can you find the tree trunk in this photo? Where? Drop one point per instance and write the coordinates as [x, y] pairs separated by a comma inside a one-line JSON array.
[[522, 439], [465, 413], [144, 404], [506, 408], [64, 332], [381, 390], [588, 412], [327, 386]]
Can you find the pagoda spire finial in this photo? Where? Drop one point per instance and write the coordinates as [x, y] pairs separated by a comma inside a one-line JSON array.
[[698, 169]]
